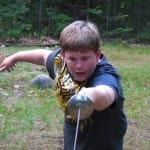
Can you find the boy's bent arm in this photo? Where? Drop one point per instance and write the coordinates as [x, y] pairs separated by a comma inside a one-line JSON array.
[[38, 56]]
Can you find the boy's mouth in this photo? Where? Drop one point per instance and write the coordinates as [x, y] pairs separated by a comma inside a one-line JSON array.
[[80, 73]]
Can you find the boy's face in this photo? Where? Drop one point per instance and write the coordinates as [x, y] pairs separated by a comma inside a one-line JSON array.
[[81, 64]]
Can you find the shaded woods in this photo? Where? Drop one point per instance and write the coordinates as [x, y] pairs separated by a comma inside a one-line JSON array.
[[116, 19]]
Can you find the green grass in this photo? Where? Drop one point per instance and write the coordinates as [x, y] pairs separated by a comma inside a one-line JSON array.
[[21, 114], [133, 64], [28, 115]]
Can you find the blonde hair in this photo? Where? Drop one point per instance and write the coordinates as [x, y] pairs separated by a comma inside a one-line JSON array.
[[80, 35]]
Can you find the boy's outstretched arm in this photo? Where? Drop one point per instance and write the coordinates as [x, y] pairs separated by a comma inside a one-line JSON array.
[[38, 56], [102, 96], [90, 99]]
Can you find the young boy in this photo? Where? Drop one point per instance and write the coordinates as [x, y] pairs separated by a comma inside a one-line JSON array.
[[78, 66]]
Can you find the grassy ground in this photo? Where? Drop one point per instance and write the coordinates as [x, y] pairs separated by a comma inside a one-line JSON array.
[[32, 119]]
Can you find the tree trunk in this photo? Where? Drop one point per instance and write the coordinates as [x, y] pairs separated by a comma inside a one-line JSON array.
[[108, 3]]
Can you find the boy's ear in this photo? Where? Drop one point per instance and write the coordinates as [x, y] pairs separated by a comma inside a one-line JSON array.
[[98, 54], [62, 53]]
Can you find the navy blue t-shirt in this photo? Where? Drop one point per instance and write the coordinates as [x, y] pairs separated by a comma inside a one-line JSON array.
[[103, 130]]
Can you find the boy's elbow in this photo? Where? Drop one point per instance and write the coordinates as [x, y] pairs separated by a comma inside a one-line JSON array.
[[104, 98]]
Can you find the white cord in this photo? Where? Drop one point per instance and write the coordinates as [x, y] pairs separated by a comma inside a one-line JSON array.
[[77, 127]]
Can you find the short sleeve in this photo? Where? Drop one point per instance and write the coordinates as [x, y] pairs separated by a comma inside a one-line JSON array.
[[50, 62]]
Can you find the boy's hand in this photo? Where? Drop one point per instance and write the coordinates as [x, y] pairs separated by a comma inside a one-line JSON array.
[[6, 64], [1, 58], [80, 101]]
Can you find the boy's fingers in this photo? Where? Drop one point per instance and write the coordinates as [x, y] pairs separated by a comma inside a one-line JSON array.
[[4, 68], [1, 68], [1, 58]]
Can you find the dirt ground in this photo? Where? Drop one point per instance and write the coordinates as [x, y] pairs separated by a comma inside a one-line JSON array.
[[29, 41]]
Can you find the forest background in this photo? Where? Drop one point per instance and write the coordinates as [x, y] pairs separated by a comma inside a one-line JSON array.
[[126, 20]]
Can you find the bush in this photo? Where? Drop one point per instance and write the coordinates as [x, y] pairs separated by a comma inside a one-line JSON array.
[[14, 33], [118, 32], [143, 36], [58, 21]]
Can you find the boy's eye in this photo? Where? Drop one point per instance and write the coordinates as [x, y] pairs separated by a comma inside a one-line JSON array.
[[84, 58], [72, 58], [75, 59]]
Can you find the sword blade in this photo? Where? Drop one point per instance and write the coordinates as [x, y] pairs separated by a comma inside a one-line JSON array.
[[77, 128]]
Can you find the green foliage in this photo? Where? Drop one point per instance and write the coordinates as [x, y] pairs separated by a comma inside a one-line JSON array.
[[96, 10], [118, 32], [121, 18], [120, 28], [58, 21], [144, 36], [12, 19], [47, 18], [16, 33]]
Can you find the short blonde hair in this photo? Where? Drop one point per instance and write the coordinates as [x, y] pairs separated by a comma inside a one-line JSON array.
[[80, 35]]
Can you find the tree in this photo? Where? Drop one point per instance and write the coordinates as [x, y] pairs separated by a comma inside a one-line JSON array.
[[12, 15], [114, 18]]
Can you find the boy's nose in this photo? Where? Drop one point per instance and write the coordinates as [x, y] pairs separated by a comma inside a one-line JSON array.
[[79, 64]]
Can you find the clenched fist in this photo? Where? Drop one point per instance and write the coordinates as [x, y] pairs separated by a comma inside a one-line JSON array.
[[80, 101]]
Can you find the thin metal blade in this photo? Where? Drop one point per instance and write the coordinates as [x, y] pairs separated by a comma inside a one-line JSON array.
[[77, 128]]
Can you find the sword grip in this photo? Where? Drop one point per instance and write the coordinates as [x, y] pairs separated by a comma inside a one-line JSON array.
[[80, 101]]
